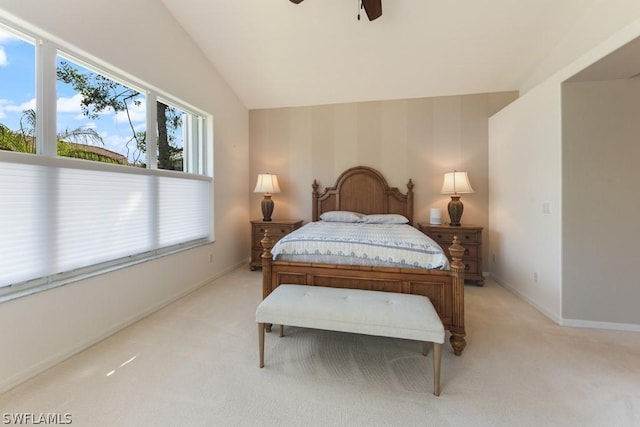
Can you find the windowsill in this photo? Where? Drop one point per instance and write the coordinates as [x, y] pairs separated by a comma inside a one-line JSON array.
[[77, 278]]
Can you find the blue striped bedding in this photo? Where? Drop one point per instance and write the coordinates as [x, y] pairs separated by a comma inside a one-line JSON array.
[[384, 245]]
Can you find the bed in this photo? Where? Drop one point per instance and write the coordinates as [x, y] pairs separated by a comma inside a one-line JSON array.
[[364, 190]]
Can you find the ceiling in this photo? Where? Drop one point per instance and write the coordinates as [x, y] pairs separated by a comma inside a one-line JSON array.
[[274, 53]]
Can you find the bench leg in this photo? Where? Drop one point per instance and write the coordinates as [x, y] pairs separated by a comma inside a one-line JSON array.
[[425, 349], [437, 355], [261, 329], [281, 330]]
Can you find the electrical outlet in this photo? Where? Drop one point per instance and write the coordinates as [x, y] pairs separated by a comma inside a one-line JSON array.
[[535, 277], [210, 258]]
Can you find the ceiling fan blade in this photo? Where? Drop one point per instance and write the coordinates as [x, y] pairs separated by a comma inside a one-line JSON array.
[[372, 7], [296, 1]]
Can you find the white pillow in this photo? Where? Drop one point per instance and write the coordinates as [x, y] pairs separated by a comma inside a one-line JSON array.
[[341, 216], [385, 219]]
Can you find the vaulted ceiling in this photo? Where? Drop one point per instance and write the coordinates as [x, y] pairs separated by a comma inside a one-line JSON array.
[[274, 53]]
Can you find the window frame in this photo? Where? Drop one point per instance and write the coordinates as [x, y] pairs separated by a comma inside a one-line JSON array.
[[47, 51], [196, 145], [27, 37], [112, 75]]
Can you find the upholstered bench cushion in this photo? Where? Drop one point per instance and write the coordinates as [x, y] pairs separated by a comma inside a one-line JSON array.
[[353, 310]]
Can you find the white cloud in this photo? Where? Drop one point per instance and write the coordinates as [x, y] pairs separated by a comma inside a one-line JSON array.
[[7, 106], [12, 112], [70, 105], [29, 105], [114, 142], [137, 113], [3, 58], [3, 106], [119, 144]]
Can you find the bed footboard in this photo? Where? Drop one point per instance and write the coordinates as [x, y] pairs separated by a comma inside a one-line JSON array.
[[445, 289]]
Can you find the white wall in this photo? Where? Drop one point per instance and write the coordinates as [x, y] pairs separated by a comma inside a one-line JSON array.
[[525, 139], [524, 175], [140, 38]]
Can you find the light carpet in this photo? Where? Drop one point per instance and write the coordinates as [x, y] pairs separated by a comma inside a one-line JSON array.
[[195, 363]]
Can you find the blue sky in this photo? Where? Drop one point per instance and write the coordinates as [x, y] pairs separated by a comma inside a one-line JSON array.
[[17, 93], [17, 79]]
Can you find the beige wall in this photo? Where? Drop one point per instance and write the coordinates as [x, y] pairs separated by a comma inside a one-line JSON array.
[[141, 39], [600, 180], [413, 138]]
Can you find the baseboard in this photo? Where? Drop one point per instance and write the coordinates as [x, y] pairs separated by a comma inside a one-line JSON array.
[[8, 383], [553, 316], [573, 323], [590, 324]]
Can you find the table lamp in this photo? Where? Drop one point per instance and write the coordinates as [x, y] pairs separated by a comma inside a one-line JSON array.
[[455, 183], [267, 184]]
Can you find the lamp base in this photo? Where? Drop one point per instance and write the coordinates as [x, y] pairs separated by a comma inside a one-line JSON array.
[[267, 207], [455, 208]]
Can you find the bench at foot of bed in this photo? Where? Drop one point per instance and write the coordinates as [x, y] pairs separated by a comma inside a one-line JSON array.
[[358, 311]]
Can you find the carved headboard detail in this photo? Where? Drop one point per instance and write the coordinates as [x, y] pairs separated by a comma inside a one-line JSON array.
[[363, 189]]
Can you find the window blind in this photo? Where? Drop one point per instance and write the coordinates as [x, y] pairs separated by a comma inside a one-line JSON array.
[[57, 219]]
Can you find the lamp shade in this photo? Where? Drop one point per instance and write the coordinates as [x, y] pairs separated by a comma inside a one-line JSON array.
[[455, 183], [267, 183]]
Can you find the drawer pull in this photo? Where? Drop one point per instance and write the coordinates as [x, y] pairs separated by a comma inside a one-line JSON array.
[[467, 237], [439, 236], [466, 252], [282, 230], [262, 230], [467, 267]]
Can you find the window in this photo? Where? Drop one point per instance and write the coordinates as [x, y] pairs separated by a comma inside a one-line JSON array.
[[181, 138], [58, 221], [111, 203], [17, 92], [98, 118]]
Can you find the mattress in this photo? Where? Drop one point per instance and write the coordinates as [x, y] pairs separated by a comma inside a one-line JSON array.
[[381, 245]]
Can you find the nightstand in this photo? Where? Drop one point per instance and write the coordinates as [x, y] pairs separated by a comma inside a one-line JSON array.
[[470, 238], [278, 228]]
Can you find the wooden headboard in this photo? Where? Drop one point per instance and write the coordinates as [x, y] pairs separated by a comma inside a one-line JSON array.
[[363, 189]]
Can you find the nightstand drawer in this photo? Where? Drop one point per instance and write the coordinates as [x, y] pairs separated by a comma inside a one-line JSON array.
[[446, 236], [471, 240], [470, 266], [277, 230], [470, 251]]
